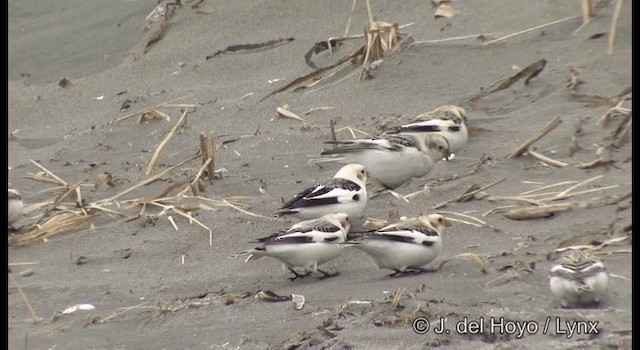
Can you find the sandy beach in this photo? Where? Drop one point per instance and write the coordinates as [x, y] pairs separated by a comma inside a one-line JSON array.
[[93, 93]]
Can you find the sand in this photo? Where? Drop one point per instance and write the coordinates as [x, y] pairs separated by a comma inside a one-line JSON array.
[[155, 287]]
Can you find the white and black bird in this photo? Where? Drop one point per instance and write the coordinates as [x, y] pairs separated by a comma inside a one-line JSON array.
[[345, 193], [449, 121], [578, 278], [405, 246], [305, 245], [392, 160], [16, 206]]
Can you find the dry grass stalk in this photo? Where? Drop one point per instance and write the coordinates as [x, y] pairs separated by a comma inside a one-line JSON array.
[[531, 29], [194, 186], [537, 212], [482, 223], [58, 180], [149, 180], [353, 7], [609, 242], [475, 36], [545, 159], [397, 295], [579, 184], [540, 134], [468, 194], [569, 195], [155, 112], [152, 162], [520, 199], [547, 186], [614, 26], [35, 318], [484, 267], [56, 224], [353, 131]]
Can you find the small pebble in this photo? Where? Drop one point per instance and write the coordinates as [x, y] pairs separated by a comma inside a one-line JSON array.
[[27, 273]]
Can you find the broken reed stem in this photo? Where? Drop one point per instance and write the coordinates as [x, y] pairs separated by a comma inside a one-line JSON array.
[[587, 11], [152, 162], [208, 149], [614, 26], [149, 180], [332, 127], [525, 145], [530, 29], [60, 181], [537, 212], [36, 319]]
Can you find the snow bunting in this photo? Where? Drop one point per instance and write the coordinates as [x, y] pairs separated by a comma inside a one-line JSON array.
[[578, 278], [15, 207], [404, 246], [392, 160], [305, 245], [345, 193], [449, 121]]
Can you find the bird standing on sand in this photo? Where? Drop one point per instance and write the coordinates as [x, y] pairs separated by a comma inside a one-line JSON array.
[[392, 160], [578, 278], [405, 246], [448, 120], [16, 205], [305, 245], [345, 193]]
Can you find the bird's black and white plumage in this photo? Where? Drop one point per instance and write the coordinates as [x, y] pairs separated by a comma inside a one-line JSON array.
[[404, 246], [392, 160], [16, 206], [578, 278], [449, 121], [345, 193], [305, 245]]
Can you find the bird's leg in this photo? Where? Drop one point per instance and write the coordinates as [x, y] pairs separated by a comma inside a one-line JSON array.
[[298, 275], [327, 274], [397, 272], [418, 270]]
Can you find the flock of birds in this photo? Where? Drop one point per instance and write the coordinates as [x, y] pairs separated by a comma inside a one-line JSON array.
[[400, 154]]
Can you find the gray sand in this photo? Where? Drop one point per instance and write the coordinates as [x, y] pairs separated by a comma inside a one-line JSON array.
[[155, 267]]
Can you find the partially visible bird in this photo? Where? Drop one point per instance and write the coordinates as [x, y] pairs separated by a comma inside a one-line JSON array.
[[345, 193], [392, 160], [578, 278], [448, 120], [305, 245], [16, 206], [405, 246]]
